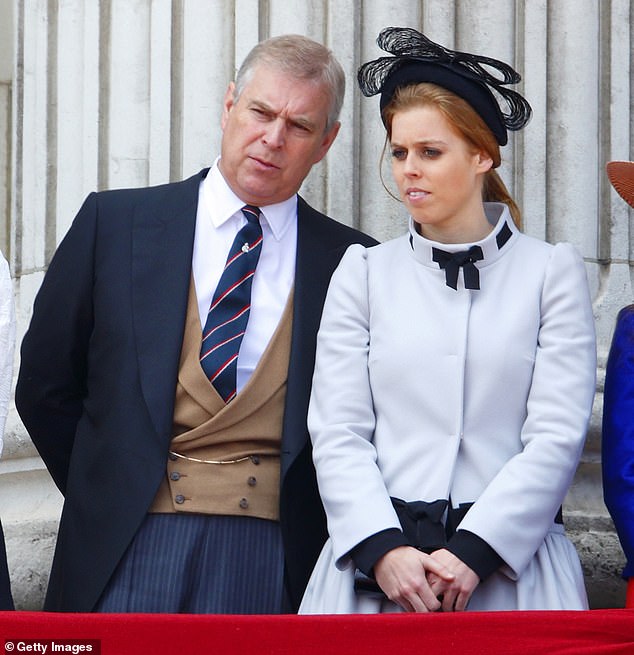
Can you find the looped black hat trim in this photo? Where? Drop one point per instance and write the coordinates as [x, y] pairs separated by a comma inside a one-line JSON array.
[[418, 59]]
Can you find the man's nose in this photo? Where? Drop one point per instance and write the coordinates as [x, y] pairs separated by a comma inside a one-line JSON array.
[[275, 134]]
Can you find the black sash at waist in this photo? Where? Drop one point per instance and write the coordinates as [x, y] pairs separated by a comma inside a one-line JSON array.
[[423, 527]]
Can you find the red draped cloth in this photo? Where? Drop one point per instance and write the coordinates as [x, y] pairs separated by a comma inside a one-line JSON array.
[[629, 598], [609, 632]]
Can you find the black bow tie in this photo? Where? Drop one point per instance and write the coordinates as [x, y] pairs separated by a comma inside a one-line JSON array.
[[452, 261]]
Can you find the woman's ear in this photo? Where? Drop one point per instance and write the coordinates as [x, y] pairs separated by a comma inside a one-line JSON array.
[[484, 163]]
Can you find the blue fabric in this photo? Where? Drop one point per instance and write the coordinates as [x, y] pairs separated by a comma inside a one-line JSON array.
[[199, 564], [618, 434]]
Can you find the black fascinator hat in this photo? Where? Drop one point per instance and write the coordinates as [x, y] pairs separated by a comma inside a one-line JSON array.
[[418, 59]]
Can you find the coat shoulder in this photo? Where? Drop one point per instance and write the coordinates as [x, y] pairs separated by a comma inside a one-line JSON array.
[[328, 228], [159, 193]]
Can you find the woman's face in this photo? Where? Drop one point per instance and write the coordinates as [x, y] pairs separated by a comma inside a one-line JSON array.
[[438, 175]]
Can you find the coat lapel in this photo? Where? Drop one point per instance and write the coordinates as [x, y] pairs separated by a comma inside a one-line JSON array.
[[162, 245], [318, 253]]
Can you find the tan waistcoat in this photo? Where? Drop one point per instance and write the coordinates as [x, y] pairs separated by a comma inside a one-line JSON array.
[[244, 435]]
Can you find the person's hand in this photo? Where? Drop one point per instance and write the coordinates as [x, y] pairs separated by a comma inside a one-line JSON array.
[[457, 592], [402, 575]]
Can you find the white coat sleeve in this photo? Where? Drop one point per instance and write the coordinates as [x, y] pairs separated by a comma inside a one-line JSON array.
[[517, 509], [341, 416]]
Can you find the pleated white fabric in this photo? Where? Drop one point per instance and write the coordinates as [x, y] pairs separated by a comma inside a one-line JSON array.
[[552, 580]]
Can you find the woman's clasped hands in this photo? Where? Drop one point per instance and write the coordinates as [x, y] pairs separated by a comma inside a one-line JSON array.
[[419, 582]]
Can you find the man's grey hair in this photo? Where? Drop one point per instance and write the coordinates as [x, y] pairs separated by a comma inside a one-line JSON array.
[[303, 59]]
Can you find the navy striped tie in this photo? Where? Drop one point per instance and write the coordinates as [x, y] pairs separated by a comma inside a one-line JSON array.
[[229, 312]]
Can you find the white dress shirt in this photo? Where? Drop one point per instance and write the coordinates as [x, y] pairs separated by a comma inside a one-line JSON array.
[[218, 220]]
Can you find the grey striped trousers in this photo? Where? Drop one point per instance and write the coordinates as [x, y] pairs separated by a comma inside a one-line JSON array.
[[200, 564]]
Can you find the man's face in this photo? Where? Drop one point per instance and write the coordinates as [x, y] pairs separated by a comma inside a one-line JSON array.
[[272, 135]]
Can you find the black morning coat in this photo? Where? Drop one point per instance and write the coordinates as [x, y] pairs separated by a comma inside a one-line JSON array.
[[98, 375]]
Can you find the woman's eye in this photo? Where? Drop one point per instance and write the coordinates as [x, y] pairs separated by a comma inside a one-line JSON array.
[[431, 153], [398, 153]]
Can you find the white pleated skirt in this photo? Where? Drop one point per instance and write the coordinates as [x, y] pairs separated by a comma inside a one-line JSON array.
[[553, 580]]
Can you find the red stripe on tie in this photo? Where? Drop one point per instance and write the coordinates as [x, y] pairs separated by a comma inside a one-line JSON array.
[[239, 254], [233, 318], [230, 307], [218, 345], [232, 288], [223, 367]]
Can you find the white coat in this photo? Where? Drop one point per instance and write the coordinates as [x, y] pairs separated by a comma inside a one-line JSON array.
[[424, 392]]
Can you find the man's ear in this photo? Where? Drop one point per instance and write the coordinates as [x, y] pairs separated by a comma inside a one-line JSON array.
[[227, 103], [329, 138]]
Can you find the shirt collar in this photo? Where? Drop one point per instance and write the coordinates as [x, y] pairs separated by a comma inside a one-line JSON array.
[[493, 246], [222, 203]]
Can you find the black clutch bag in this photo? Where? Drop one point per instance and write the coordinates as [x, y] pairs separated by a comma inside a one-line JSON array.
[[367, 586]]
